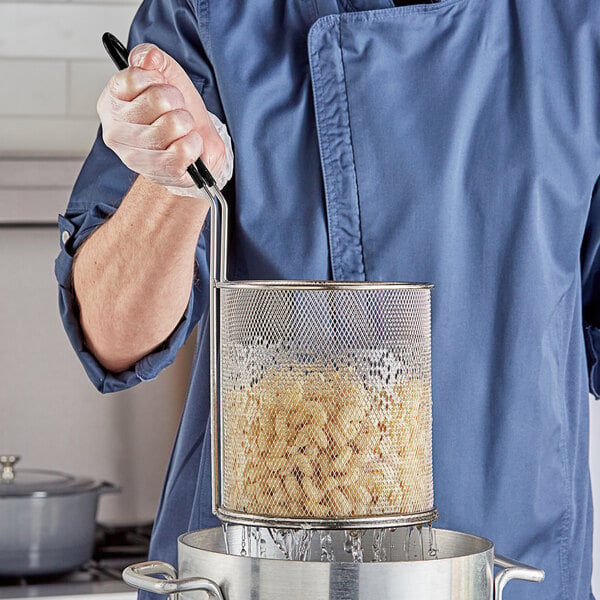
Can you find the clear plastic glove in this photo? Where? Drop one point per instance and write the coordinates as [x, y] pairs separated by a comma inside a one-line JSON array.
[[154, 119]]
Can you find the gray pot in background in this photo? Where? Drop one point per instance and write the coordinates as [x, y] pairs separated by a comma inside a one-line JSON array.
[[47, 519]]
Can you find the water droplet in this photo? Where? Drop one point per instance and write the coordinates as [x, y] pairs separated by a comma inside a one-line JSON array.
[[326, 546], [347, 542], [224, 526], [243, 542], [263, 548], [379, 540]]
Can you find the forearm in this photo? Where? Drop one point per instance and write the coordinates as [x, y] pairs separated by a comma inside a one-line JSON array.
[[133, 276]]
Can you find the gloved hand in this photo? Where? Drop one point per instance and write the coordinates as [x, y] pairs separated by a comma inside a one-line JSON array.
[[154, 119]]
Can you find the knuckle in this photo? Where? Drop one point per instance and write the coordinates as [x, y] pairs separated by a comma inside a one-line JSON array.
[[163, 103], [133, 81], [122, 83], [180, 155], [169, 128], [165, 98], [125, 81], [179, 122], [155, 97], [176, 96]]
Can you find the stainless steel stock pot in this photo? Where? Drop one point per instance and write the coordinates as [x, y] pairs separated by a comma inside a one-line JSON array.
[[463, 569]]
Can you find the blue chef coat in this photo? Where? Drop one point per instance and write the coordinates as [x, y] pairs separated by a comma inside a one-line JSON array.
[[456, 143]]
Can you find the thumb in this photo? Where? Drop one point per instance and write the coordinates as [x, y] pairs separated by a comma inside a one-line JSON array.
[[151, 58]]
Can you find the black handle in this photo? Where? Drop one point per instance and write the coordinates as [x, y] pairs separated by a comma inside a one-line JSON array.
[[118, 53]]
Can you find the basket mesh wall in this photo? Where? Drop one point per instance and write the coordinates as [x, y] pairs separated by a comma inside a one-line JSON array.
[[326, 402]]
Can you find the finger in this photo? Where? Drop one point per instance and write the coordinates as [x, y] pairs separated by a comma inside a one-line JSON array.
[[150, 105], [158, 136], [167, 129], [164, 166], [130, 83], [181, 154]]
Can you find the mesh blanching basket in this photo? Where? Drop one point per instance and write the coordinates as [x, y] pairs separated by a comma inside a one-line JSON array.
[[321, 401]]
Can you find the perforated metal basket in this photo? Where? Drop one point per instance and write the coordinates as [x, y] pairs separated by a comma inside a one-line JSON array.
[[321, 400]]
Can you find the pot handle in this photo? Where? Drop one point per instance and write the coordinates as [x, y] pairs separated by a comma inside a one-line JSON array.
[[138, 576], [511, 569], [106, 487]]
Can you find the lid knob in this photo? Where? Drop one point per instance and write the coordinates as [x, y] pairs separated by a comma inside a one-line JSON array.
[[8, 462]]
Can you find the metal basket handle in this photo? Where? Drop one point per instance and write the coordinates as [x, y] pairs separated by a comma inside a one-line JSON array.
[[219, 225], [139, 576], [512, 569]]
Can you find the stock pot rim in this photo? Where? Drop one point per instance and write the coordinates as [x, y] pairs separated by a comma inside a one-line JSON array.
[[285, 284], [486, 546]]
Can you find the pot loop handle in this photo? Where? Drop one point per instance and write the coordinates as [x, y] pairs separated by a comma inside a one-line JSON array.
[[512, 569], [139, 576], [8, 462]]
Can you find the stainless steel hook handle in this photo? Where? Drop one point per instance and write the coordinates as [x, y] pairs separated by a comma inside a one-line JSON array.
[[219, 226], [218, 264], [140, 576], [512, 569]]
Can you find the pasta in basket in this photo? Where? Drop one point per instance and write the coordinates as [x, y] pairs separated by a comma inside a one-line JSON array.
[[311, 442]]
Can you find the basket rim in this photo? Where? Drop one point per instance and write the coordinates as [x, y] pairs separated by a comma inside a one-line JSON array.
[[385, 520], [284, 284]]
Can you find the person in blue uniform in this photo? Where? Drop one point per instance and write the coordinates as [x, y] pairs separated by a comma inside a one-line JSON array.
[[455, 142]]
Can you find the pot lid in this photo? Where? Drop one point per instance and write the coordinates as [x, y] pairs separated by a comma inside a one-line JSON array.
[[39, 483]]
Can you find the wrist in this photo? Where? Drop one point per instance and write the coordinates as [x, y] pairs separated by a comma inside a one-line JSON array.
[[152, 207]]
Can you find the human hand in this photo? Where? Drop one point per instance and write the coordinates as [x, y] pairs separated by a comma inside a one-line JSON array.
[[154, 119]]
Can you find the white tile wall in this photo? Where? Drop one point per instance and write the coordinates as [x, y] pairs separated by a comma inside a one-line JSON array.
[[33, 85], [86, 79], [43, 135], [52, 69], [35, 191], [59, 29]]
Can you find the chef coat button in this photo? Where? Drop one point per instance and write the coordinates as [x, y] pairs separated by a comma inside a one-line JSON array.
[[65, 237]]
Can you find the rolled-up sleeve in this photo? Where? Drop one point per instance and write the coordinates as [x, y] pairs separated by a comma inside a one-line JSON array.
[[590, 265], [104, 181]]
